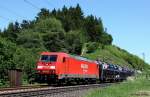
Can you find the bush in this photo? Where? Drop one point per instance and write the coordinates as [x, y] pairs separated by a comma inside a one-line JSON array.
[[92, 46], [49, 24]]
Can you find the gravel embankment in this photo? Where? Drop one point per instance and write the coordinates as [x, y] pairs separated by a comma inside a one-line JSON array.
[[78, 93]]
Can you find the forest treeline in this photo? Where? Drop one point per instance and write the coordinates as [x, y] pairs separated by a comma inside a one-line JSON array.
[[66, 30], [58, 30]]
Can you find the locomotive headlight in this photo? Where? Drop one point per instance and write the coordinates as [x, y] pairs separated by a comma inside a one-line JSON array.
[[52, 67], [39, 67]]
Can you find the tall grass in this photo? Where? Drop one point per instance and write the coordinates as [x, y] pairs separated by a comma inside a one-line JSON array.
[[125, 89], [115, 55], [108, 54]]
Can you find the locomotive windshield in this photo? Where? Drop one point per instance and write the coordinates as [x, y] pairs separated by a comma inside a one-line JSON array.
[[49, 58]]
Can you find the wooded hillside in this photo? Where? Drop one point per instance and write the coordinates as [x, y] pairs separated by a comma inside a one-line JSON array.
[[66, 30]]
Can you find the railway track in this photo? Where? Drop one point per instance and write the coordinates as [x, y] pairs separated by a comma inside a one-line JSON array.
[[41, 92], [21, 87]]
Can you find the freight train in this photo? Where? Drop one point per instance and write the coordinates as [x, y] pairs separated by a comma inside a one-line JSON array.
[[59, 67]]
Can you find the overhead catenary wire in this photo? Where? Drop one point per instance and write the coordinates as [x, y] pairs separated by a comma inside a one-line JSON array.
[[30, 3], [11, 11], [49, 3], [4, 18], [18, 15]]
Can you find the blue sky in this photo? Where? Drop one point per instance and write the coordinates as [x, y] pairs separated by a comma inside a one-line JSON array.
[[128, 21]]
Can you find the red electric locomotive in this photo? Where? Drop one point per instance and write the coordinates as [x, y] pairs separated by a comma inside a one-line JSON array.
[[59, 66]]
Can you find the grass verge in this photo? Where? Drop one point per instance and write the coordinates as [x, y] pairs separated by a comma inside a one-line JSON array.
[[139, 87]]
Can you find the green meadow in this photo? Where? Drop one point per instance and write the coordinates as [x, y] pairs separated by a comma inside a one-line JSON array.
[[134, 87]]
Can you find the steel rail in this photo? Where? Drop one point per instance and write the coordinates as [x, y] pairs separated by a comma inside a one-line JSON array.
[[50, 91]]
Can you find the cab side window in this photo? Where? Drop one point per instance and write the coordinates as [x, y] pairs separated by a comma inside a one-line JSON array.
[[64, 59]]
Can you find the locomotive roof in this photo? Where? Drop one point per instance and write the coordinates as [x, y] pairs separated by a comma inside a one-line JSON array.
[[81, 58], [54, 53], [67, 55]]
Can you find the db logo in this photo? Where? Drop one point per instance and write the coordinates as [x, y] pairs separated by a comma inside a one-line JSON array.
[[84, 66]]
